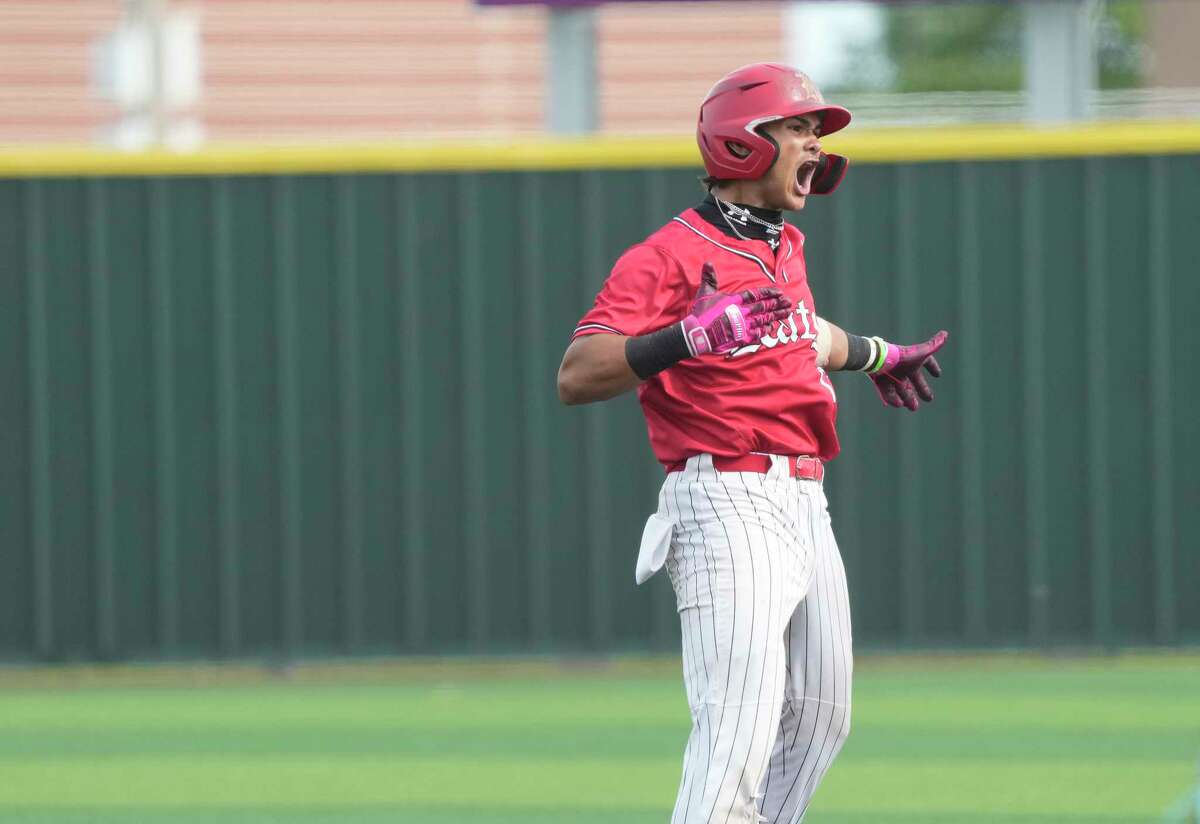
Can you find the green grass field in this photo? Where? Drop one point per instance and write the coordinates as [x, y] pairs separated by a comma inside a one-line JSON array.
[[1002, 739]]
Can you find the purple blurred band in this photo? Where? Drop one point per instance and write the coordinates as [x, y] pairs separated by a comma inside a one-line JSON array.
[[580, 3], [568, 3], [537, 2]]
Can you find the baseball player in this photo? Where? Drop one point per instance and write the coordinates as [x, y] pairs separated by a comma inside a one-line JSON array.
[[711, 319]]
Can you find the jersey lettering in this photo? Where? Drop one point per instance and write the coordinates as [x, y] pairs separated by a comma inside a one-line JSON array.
[[808, 332], [747, 401], [787, 332]]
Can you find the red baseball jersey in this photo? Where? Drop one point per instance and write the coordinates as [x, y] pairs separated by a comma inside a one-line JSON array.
[[767, 397]]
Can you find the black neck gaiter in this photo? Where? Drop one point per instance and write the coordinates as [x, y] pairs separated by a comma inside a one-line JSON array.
[[743, 222]]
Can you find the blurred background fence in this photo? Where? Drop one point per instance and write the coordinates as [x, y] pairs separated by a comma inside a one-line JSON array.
[[298, 398], [284, 287], [314, 412], [247, 70]]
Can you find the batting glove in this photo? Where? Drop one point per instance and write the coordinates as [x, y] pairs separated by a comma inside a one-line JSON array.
[[898, 379], [721, 322]]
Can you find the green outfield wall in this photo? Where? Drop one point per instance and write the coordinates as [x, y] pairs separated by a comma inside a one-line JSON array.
[[294, 403]]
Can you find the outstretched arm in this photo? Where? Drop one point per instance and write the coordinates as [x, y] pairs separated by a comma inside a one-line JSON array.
[[832, 346], [895, 370]]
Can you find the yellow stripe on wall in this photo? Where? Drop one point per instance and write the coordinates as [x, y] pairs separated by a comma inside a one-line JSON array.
[[1000, 142], [912, 144]]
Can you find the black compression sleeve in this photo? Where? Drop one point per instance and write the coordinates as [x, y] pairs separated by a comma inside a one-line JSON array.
[[859, 353], [653, 352]]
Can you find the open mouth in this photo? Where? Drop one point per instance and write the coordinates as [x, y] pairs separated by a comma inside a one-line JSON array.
[[804, 176]]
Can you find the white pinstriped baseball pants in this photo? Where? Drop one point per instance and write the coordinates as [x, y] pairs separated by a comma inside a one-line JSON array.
[[767, 660]]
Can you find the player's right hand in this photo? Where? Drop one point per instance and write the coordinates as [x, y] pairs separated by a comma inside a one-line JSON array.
[[721, 322]]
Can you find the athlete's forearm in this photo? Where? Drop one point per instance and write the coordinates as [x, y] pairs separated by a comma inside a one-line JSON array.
[[601, 366], [853, 353], [839, 347], [594, 368], [850, 352]]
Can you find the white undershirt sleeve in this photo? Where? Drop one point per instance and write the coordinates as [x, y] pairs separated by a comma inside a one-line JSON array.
[[824, 341]]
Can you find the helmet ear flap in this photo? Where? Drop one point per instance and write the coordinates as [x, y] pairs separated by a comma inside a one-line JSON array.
[[745, 99], [831, 168], [765, 135], [737, 149]]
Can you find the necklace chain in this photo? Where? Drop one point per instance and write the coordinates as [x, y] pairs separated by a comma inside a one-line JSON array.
[[728, 209]]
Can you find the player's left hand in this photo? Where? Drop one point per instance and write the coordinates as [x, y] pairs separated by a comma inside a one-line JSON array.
[[900, 382]]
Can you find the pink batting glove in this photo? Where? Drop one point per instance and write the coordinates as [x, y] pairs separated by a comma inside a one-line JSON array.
[[721, 322], [899, 381]]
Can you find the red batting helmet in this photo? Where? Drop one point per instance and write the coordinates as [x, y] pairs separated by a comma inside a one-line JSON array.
[[747, 98]]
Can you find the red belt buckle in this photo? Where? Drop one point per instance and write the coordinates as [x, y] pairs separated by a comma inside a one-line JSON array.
[[803, 466]]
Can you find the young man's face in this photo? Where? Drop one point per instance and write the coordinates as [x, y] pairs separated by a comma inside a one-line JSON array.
[[787, 184]]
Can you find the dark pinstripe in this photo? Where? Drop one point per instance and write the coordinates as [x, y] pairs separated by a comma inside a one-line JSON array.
[[732, 637], [829, 597], [809, 758], [710, 560], [775, 679], [754, 626], [673, 565], [700, 708], [767, 546], [760, 546], [807, 671], [678, 578], [766, 637], [840, 606], [804, 706]]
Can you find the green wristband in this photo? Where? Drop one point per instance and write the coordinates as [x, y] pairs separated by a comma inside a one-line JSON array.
[[883, 348]]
